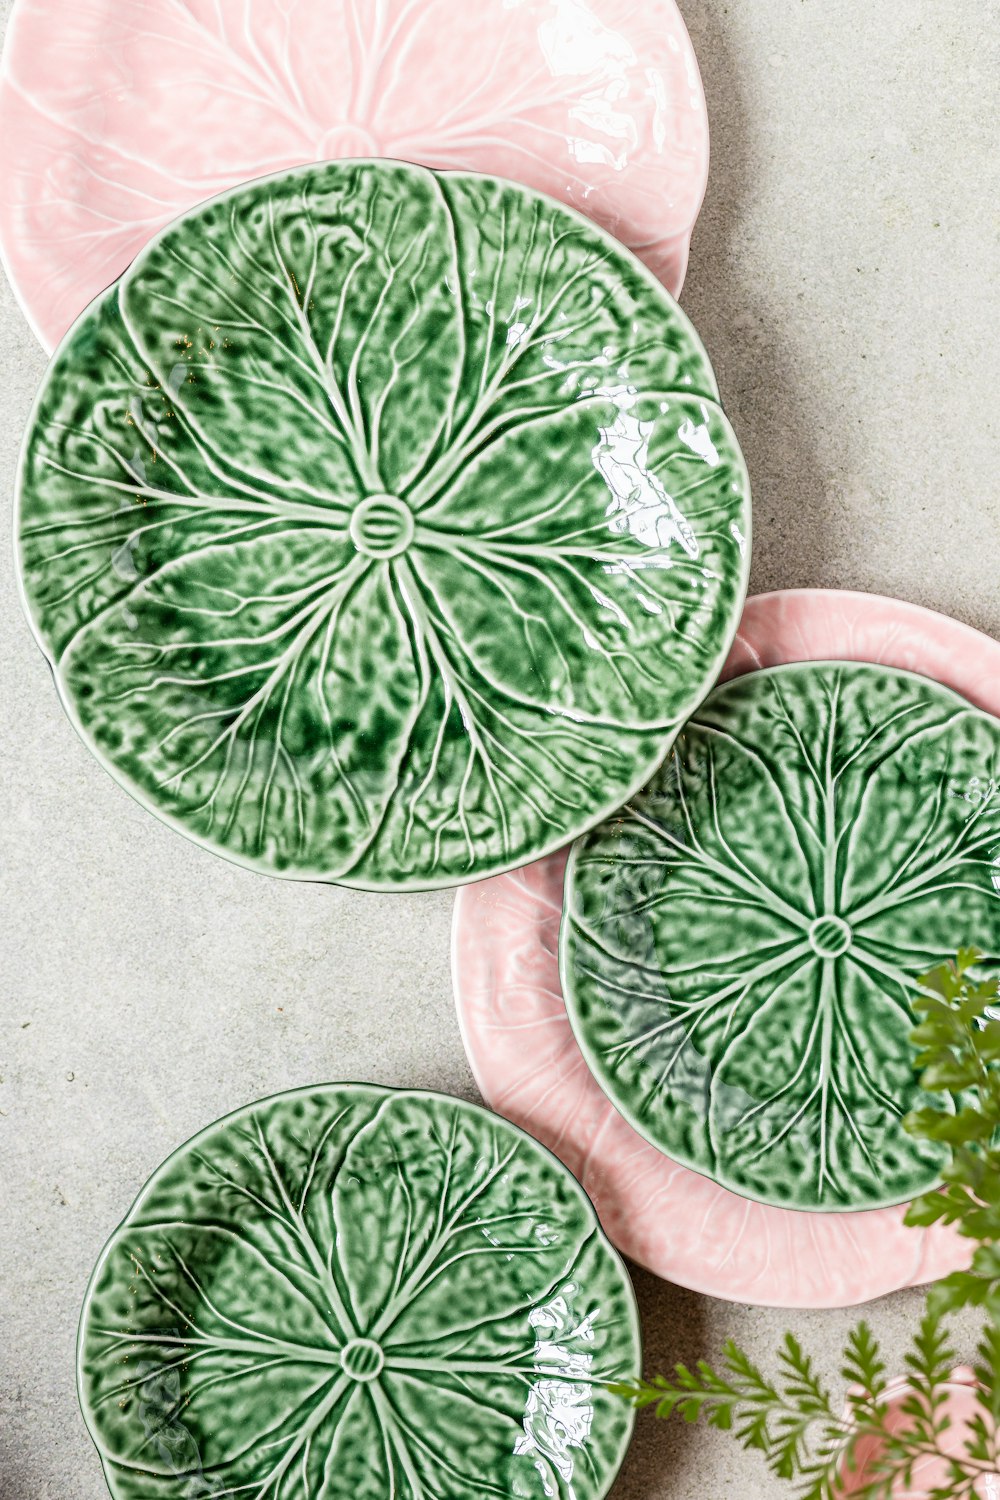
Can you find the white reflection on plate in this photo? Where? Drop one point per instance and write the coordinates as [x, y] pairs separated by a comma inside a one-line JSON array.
[[559, 1412], [640, 503]]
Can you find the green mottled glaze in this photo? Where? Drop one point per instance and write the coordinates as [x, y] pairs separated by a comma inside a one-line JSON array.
[[348, 1293], [381, 525], [740, 944]]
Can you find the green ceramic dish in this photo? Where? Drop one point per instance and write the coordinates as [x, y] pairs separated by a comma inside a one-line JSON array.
[[739, 945], [381, 525], [353, 1293]]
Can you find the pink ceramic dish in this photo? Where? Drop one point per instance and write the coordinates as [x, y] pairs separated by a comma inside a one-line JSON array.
[[930, 1474], [529, 1067], [118, 115]]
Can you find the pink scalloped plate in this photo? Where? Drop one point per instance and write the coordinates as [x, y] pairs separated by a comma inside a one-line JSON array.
[[528, 1065], [117, 117]]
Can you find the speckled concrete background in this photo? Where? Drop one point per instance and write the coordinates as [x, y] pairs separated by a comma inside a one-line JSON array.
[[845, 279]]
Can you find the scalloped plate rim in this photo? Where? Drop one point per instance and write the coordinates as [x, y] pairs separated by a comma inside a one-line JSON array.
[[176, 825], [393, 1090]]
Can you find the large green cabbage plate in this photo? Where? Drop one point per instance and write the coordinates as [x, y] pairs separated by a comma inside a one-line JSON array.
[[381, 526]]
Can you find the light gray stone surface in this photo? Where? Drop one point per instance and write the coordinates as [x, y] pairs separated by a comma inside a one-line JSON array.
[[845, 279]]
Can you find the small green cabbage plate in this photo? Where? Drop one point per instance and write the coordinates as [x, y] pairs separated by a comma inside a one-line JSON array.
[[352, 1293], [740, 945]]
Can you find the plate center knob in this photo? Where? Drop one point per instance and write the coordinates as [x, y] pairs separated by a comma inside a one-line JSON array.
[[362, 1359], [382, 526], [345, 141], [830, 937]]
